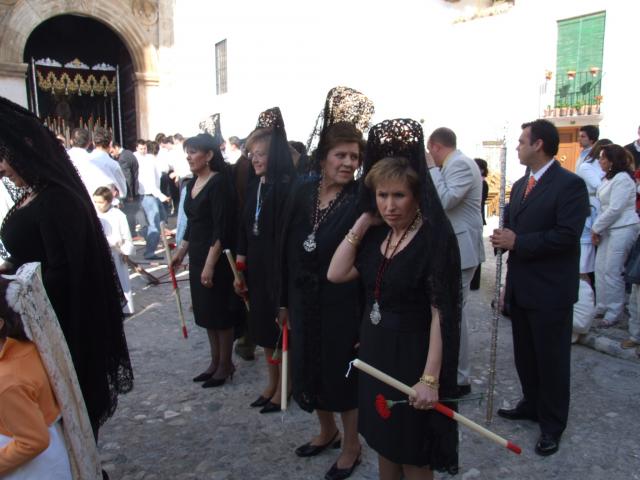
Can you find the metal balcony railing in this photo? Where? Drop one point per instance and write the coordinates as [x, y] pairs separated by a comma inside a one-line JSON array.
[[576, 90]]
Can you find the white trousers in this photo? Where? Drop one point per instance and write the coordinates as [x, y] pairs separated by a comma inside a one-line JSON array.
[[464, 368], [52, 464], [614, 248]]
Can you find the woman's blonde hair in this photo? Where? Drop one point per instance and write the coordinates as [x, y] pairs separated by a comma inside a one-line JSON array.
[[393, 169]]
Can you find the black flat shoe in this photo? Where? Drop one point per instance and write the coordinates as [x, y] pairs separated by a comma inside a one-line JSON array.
[[309, 450], [203, 377], [270, 407], [260, 402], [547, 444], [336, 473]]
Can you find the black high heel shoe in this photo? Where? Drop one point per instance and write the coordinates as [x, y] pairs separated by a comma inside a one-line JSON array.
[[217, 382], [309, 450], [271, 407], [260, 402], [336, 473], [203, 377]]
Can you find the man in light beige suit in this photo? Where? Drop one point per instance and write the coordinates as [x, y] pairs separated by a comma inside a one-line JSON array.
[[459, 184]]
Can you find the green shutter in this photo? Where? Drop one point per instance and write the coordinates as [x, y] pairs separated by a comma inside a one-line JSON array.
[[580, 48]]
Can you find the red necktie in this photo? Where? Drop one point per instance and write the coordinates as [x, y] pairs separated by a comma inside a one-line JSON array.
[[530, 184]]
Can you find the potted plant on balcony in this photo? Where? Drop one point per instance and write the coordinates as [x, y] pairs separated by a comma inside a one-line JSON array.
[[549, 111], [595, 108], [563, 109], [580, 108]]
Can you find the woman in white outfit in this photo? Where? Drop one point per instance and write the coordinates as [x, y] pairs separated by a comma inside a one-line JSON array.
[[614, 231]]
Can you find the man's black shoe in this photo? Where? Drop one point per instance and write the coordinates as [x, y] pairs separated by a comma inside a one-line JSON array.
[[517, 413], [547, 444]]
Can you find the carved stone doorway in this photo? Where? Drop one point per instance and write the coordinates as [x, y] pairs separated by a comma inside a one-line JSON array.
[[65, 39]]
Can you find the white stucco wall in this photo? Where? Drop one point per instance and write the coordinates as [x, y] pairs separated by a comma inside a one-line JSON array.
[[477, 77], [14, 89]]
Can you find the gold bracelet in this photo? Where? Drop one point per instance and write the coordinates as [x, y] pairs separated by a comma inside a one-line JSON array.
[[352, 238], [430, 381]]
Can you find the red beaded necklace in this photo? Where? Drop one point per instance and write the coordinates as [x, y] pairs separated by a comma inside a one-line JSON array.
[[375, 314]]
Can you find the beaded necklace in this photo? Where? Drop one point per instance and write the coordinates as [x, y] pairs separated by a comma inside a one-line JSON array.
[[375, 314], [310, 243]]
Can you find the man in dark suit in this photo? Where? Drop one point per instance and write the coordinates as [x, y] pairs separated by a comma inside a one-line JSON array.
[[131, 203], [543, 223]]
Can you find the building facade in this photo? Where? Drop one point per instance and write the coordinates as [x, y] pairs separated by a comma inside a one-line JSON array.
[[480, 67]]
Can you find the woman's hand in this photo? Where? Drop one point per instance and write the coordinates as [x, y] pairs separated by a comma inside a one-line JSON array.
[[364, 221], [176, 261], [240, 288], [206, 277], [595, 238], [426, 397]]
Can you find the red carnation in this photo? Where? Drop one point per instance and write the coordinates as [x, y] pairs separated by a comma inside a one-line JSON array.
[[382, 407]]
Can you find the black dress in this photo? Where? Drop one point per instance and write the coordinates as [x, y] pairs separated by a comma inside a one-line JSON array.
[[398, 346], [325, 317], [210, 218], [57, 230], [260, 249]]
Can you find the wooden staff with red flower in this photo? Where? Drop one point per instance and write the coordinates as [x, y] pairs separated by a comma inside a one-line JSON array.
[[383, 407]]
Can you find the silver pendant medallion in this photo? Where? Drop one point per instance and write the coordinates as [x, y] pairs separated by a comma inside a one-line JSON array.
[[310, 243], [255, 230], [375, 314]]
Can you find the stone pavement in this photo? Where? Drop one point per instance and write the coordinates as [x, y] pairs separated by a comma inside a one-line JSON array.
[[170, 428]]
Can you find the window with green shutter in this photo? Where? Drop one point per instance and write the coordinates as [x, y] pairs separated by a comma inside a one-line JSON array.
[[579, 60]]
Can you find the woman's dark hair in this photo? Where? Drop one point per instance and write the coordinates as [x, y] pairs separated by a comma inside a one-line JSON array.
[[594, 153], [12, 323], [621, 160], [483, 166], [203, 142], [334, 135]]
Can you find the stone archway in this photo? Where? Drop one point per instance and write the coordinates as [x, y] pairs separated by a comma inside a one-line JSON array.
[[134, 21]]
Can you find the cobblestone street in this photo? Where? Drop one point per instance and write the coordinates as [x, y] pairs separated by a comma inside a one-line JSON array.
[[170, 428]]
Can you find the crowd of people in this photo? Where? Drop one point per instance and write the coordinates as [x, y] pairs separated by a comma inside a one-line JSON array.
[[363, 249]]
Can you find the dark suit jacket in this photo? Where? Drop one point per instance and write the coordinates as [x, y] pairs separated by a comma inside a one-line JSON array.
[[543, 268], [129, 165]]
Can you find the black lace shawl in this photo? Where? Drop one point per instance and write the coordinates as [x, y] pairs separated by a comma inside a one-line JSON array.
[[38, 157], [280, 175], [404, 138]]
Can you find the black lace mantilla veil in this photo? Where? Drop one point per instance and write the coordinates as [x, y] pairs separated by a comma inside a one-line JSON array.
[[211, 125], [279, 177], [343, 104], [40, 159], [404, 138]]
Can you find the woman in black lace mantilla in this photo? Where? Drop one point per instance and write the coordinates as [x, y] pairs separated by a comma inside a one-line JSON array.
[[405, 253], [54, 222]]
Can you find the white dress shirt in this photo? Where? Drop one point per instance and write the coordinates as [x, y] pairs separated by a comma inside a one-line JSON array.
[[110, 171], [149, 176]]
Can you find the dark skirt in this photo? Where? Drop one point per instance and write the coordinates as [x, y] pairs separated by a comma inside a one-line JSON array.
[[212, 307], [409, 436], [336, 347]]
